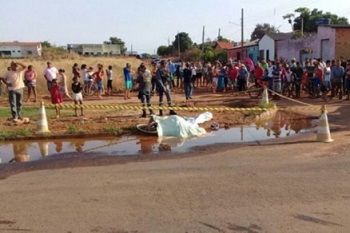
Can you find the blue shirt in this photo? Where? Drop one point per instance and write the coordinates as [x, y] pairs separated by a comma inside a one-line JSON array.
[[127, 74]]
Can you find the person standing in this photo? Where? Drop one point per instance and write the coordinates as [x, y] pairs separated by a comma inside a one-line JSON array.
[[76, 70], [128, 80], [13, 79], [62, 83], [98, 79], [187, 80], [337, 74], [172, 70], [56, 97], [50, 74], [163, 81], [30, 78], [77, 96], [144, 79], [109, 73]]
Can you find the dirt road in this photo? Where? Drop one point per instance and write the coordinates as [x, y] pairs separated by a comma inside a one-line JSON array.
[[287, 185]]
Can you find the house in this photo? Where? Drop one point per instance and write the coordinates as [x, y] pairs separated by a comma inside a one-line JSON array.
[[268, 45], [250, 49], [95, 49], [330, 42], [20, 49]]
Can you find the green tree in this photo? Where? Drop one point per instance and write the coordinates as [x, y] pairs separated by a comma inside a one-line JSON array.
[[116, 40], [164, 50], [223, 39], [184, 40], [46, 44], [310, 19], [262, 29]]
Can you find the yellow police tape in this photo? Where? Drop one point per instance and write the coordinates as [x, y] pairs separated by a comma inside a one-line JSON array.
[[134, 107]]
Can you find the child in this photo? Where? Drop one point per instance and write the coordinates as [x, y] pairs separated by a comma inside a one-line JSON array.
[[56, 97], [109, 73], [77, 95]]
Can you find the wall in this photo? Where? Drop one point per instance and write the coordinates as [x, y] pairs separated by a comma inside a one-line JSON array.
[[342, 42], [292, 48], [235, 53], [267, 44], [253, 53], [18, 51]]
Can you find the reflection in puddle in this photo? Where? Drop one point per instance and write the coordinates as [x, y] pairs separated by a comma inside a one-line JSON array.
[[283, 124]]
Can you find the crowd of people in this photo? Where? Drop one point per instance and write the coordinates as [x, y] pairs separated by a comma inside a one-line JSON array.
[[315, 77]]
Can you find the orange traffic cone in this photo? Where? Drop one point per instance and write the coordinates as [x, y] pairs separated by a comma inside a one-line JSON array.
[[41, 124], [265, 96], [323, 132]]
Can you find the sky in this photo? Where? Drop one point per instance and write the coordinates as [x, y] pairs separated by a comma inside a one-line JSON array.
[[144, 25]]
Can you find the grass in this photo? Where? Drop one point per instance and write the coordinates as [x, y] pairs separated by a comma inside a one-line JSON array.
[[22, 132], [112, 129], [266, 105], [73, 129]]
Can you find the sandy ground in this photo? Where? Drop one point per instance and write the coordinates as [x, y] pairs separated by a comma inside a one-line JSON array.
[[285, 185]]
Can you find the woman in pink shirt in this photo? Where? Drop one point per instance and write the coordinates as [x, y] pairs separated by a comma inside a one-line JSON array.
[[30, 81]]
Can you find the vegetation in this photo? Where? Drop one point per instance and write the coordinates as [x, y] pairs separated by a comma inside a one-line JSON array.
[[262, 29], [112, 129], [22, 132], [116, 40], [311, 18]]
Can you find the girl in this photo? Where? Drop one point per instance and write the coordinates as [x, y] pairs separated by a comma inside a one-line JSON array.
[[30, 78], [109, 80], [98, 79], [56, 97], [62, 82], [77, 96]]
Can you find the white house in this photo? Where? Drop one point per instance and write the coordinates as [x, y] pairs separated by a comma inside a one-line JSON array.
[[20, 49], [267, 45], [95, 49]]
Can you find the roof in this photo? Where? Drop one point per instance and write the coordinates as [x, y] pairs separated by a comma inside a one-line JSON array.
[[280, 36], [334, 26], [16, 43], [224, 45], [246, 44]]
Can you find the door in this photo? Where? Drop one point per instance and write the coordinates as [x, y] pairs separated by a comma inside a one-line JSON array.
[[325, 49]]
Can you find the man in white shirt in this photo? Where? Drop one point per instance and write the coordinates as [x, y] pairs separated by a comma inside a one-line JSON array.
[[13, 79], [50, 74]]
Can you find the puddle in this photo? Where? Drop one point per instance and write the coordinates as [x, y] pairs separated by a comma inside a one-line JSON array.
[[282, 125]]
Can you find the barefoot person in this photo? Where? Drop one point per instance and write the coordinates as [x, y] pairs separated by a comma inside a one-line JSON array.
[[77, 96], [30, 79], [13, 79]]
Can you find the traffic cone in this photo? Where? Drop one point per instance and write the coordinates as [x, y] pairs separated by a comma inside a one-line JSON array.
[[323, 132], [265, 96], [41, 124]]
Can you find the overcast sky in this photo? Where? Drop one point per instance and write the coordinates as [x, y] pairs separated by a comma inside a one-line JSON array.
[[145, 24]]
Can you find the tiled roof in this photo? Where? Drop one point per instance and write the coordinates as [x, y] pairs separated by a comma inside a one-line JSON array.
[[280, 36], [224, 45]]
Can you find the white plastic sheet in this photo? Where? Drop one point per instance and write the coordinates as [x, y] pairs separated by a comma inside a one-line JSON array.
[[177, 126]]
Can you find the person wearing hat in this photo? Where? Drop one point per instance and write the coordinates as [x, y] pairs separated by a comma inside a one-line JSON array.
[[13, 79], [144, 80], [163, 84]]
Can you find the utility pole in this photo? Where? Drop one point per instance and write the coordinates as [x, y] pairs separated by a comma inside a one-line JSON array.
[[219, 33], [168, 41], [242, 37], [203, 39], [131, 50], [302, 26], [178, 44]]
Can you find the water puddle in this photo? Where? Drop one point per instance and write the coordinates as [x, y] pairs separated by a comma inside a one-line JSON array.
[[283, 124]]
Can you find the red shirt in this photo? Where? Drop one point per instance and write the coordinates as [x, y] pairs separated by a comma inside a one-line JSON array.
[[259, 72], [232, 73]]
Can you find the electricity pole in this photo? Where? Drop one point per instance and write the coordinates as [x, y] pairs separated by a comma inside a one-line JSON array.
[[242, 37], [178, 44], [203, 39]]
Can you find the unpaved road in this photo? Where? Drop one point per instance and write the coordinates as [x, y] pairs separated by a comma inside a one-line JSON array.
[[287, 185]]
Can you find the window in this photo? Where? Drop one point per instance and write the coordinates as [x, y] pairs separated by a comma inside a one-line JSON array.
[[29, 52], [267, 54]]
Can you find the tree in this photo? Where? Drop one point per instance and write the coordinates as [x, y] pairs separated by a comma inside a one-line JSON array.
[[46, 44], [262, 29], [222, 39], [184, 40], [310, 19], [289, 17], [116, 40], [164, 50]]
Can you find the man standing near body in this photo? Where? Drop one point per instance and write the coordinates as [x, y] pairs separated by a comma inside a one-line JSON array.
[[50, 74], [13, 79]]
